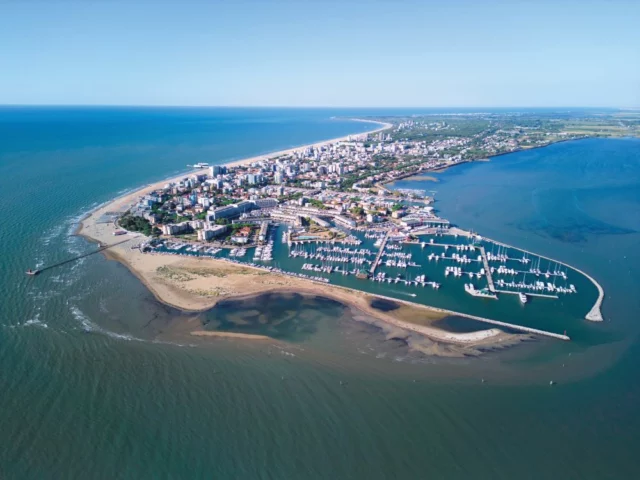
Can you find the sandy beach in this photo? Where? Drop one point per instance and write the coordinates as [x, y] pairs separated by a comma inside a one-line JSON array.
[[197, 284], [245, 161]]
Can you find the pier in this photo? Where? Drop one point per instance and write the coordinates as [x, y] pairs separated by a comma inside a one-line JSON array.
[[541, 295], [375, 263], [487, 270], [78, 257], [518, 327]]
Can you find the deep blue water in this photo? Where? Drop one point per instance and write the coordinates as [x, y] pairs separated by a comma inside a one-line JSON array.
[[93, 387]]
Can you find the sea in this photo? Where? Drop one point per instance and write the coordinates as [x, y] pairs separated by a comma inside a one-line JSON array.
[[97, 382]]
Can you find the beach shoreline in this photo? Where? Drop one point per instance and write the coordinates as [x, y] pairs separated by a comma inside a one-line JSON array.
[[382, 126], [236, 289]]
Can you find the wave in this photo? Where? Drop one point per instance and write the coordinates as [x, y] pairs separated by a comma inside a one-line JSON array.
[[35, 321], [91, 327], [52, 233]]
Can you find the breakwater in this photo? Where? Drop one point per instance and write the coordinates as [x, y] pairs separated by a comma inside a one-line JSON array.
[[595, 314]]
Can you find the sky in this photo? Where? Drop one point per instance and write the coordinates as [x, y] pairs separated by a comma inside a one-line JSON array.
[[358, 53]]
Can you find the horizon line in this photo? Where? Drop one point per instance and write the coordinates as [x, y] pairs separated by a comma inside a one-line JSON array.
[[79, 105]]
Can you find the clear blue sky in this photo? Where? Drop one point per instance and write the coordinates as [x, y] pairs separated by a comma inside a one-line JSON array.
[[330, 53]]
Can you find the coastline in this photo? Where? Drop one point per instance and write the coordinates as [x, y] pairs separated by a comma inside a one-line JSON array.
[[483, 159], [382, 126], [127, 198], [146, 266], [145, 269]]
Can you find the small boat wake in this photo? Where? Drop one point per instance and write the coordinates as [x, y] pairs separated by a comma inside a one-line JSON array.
[[404, 293]]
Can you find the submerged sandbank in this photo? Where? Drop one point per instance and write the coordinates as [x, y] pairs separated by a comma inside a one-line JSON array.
[[244, 336]]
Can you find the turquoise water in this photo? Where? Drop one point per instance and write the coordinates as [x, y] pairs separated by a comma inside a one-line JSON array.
[[97, 381]]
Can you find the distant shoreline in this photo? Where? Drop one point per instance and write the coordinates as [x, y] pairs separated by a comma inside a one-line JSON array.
[[383, 126], [485, 159]]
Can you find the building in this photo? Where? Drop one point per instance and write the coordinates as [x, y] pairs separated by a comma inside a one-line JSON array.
[[245, 206], [264, 230], [344, 221], [204, 201], [228, 211], [254, 178], [420, 221], [211, 232], [176, 228], [320, 222], [241, 236], [266, 202], [280, 216], [215, 170]]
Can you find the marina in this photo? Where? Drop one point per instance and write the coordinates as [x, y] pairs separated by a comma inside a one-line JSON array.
[[459, 273]]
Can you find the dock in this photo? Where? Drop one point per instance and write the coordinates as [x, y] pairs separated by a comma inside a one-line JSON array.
[[487, 270], [375, 263], [541, 295]]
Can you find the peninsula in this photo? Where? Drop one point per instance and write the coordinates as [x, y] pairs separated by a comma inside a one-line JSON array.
[[319, 220]]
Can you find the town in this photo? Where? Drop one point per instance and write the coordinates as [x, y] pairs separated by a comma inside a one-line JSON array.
[[330, 214], [329, 189]]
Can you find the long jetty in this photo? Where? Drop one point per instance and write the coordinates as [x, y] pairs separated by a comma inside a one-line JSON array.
[[375, 263], [78, 257], [487, 270], [517, 327]]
